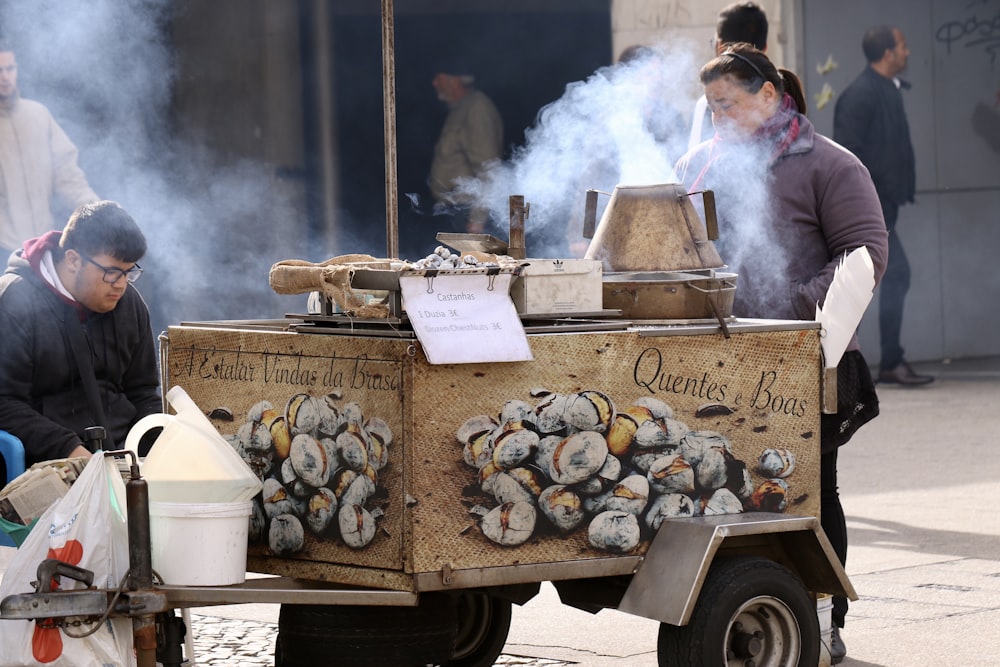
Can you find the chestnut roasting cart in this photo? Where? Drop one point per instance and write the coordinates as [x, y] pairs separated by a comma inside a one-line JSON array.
[[665, 469]]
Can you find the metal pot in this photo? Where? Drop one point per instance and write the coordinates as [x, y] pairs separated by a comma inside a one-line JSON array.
[[670, 295], [654, 228]]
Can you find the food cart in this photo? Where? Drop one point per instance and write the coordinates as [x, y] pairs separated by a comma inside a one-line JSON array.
[[427, 460], [666, 469], [500, 426]]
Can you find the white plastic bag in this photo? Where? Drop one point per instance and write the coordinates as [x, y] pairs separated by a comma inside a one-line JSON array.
[[86, 528]]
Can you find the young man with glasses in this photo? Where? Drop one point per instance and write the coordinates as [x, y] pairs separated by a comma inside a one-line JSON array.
[[68, 295], [742, 21]]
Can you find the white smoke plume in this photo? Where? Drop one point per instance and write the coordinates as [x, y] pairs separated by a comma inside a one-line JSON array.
[[742, 183], [106, 72], [215, 224], [626, 124]]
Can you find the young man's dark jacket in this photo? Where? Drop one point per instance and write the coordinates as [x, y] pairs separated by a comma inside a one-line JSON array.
[[42, 399]]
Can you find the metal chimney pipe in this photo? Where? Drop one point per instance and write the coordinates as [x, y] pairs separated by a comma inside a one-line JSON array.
[[389, 126]]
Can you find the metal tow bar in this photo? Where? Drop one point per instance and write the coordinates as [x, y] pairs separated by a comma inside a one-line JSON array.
[[135, 597]]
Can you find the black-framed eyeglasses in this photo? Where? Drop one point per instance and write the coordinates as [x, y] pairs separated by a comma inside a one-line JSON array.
[[113, 274]]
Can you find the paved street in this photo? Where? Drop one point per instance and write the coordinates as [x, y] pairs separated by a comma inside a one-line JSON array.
[[920, 486]]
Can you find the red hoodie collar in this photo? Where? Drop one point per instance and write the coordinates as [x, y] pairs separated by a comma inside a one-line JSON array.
[[34, 251]]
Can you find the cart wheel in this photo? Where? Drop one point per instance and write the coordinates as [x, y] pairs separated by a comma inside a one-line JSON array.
[[750, 610], [367, 636], [483, 624]]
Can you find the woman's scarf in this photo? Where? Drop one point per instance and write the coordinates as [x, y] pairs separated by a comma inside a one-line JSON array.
[[779, 131]]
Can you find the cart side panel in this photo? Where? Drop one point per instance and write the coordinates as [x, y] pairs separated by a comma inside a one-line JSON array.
[[361, 379], [757, 389]]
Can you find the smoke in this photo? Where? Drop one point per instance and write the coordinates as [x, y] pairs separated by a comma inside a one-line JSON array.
[[214, 224], [742, 182], [625, 124]]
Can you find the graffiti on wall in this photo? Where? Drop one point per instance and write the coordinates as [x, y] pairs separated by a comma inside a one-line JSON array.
[[979, 28]]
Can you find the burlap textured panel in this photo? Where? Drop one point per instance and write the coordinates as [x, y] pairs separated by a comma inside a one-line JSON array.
[[762, 388], [238, 369], [769, 380]]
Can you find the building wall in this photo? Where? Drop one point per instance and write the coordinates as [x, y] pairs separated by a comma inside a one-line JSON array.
[[950, 233], [688, 21], [239, 87], [240, 157]]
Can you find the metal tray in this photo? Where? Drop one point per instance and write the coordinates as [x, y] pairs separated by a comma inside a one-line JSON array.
[[473, 242]]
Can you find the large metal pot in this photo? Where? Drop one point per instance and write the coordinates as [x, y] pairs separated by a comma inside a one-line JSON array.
[[670, 295], [654, 228]]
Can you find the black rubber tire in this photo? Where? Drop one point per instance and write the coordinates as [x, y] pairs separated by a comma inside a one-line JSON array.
[[363, 636], [741, 595], [483, 624]]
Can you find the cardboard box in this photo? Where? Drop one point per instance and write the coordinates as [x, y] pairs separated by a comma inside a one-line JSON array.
[[558, 286]]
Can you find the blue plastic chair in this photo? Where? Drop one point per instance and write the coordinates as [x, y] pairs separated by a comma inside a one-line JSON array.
[[12, 451]]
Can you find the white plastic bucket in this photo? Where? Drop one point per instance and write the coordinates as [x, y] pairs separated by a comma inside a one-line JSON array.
[[824, 610], [190, 461], [200, 544]]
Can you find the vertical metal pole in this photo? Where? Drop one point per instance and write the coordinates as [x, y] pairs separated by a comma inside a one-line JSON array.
[[326, 112], [515, 245], [389, 104], [140, 564]]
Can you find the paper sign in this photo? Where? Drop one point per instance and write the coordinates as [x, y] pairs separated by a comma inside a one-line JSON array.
[[464, 318]]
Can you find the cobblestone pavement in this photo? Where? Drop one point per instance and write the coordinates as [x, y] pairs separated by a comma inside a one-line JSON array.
[[226, 642]]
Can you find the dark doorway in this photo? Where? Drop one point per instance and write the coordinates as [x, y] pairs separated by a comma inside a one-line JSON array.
[[523, 55]]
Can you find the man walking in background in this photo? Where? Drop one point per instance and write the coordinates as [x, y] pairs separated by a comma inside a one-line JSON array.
[[471, 138], [870, 121], [38, 162]]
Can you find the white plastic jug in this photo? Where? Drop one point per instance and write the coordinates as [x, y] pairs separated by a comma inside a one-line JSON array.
[[190, 462]]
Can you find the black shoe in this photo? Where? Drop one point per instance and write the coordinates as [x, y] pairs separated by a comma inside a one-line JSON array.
[[904, 375], [837, 649]]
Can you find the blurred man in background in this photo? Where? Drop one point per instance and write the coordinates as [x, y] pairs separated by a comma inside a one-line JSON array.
[[471, 138], [38, 163], [738, 22]]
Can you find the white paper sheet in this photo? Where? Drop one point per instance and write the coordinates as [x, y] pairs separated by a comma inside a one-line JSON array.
[[461, 319], [846, 300]]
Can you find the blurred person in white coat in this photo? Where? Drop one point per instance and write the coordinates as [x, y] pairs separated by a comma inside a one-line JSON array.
[[38, 164]]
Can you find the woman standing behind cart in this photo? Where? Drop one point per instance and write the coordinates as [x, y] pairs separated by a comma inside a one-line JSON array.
[[790, 204]]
